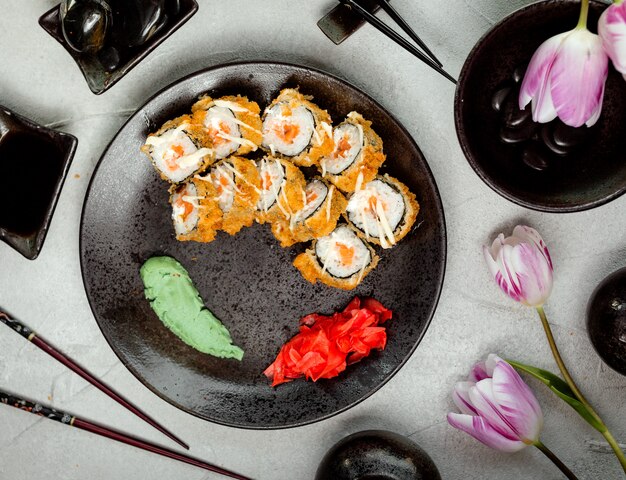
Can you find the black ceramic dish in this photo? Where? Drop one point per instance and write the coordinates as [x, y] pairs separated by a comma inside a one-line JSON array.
[[247, 280], [377, 455], [551, 168], [606, 320], [98, 77], [34, 161]]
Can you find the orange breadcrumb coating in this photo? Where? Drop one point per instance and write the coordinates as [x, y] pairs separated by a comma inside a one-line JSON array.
[[209, 213], [291, 196]]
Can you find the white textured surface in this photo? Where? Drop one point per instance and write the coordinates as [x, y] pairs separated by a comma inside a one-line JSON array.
[[39, 80]]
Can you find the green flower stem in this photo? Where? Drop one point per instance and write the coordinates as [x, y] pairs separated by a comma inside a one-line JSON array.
[[584, 11], [556, 460], [570, 381]]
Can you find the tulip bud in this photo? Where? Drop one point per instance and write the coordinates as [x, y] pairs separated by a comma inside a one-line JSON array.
[[612, 31]]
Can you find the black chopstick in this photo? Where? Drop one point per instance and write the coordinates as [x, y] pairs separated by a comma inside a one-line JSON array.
[[395, 16], [73, 421], [384, 28], [32, 337]]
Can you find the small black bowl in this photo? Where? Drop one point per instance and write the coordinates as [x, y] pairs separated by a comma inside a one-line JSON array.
[[606, 320], [377, 455], [34, 161], [98, 77], [551, 167]]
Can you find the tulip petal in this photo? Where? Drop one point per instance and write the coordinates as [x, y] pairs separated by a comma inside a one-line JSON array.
[[478, 428], [484, 402], [479, 372], [612, 30], [577, 77], [516, 402], [530, 235], [461, 399]]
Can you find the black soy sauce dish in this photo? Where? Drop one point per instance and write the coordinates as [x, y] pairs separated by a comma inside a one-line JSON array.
[[34, 161], [377, 455], [548, 167], [108, 38], [606, 320]]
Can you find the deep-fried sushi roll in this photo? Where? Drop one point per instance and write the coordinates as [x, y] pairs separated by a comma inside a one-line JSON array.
[[341, 259], [324, 205], [297, 129], [195, 213], [238, 188], [383, 211], [282, 190], [357, 156], [232, 123], [179, 149]]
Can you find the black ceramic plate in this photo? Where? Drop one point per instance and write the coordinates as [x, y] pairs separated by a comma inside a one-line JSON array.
[[97, 76], [549, 167], [247, 280]]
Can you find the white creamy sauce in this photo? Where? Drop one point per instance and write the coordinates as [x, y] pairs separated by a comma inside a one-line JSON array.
[[348, 144], [342, 253], [314, 195], [278, 122], [188, 194], [224, 183], [223, 130], [272, 179]]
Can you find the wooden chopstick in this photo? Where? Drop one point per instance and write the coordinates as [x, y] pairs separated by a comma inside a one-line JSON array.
[[384, 28], [31, 336], [395, 16], [71, 420]]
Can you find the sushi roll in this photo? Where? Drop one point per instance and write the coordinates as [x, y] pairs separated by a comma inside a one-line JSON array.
[[282, 190], [297, 129], [195, 212], [179, 150], [238, 188], [232, 123], [340, 260], [357, 156], [324, 205], [383, 211]]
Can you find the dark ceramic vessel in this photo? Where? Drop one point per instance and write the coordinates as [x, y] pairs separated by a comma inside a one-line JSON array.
[[247, 280], [34, 161], [377, 455], [551, 167], [606, 320], [102, 73]]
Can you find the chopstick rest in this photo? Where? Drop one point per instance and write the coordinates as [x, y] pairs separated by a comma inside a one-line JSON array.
[[73, 421], [32, 337]]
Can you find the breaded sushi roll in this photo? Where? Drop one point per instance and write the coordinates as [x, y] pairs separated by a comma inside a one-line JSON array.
[[383, 211], [357, 156], [324, 205], [297, 129], [238, 188], [282, 190], [195, 213], [179, 149], [233, 124], [340, 260]]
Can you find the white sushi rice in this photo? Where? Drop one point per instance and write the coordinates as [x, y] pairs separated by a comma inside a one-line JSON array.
[[166, 154], [223, 122], [368, 219], [187, 194], [280, 116], [328, 252], [272, 179], [224, 182], [316, 191], [353, 136]]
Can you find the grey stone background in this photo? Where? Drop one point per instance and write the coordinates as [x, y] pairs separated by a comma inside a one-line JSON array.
[[39, 80]]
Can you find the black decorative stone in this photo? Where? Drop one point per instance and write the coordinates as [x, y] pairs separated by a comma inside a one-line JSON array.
[[606, 320], [137, 21], [86, 24], [377, 455]]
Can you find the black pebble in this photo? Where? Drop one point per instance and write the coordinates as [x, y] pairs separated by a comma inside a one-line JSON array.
[[85, 24]]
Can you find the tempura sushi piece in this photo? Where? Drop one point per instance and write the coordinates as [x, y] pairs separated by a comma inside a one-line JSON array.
[[282, 190], [238, 188], [340, 260], [357, 156], [324, 205], [195, 212], [297, 129], [383, 211], [179, 149], [233, 124]]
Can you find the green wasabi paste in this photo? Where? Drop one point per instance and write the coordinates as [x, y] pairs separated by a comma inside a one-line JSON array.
[[178, 305]]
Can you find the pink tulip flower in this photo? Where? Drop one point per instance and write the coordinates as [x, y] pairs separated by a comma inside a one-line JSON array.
[[612, 30], [521, 266], [498, 409], [566, 78]]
